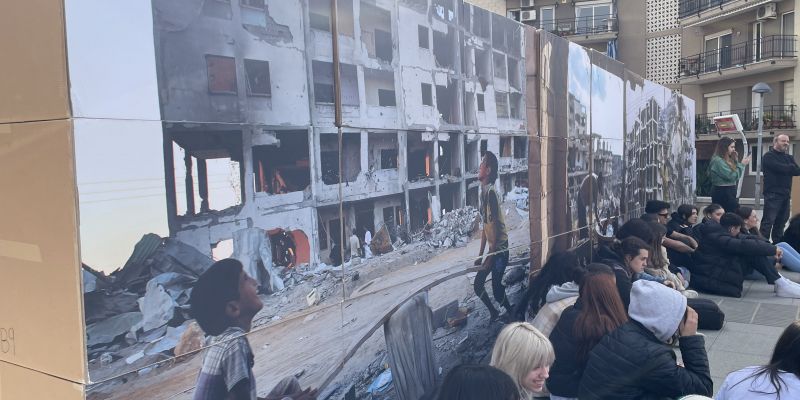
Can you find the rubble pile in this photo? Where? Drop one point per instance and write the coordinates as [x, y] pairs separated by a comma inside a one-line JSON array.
[[519, 195], [138, 314], [452, 230]]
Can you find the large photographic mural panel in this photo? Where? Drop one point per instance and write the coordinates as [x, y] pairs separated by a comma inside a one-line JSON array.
[[579, 125]]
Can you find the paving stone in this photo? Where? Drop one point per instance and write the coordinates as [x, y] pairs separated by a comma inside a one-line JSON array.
[[738, 311], [775, 315]]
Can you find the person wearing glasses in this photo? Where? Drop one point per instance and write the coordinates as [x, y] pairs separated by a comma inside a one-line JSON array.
[[658, 211]]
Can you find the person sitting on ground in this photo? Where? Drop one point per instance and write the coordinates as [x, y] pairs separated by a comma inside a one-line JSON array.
[[658, 265], [598, 311], [628, 259], [495, 235], [711, 214], [724, 257], [553, 289], [792, 233], [224, 301], [790, 259], [780, 379], [682, 221], [525, 355], [635, 362], [674, 240], [477, 382]]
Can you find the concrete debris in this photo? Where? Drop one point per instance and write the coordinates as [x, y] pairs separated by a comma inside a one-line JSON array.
[[191, 340], [157, 306], [452, 230], [89, 282], [169, 341], [519, 195], [381, 242], [312, 298], [253, 248], [107, 330]]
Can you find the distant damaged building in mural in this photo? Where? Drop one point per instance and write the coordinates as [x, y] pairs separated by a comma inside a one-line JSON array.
[[247, 90]]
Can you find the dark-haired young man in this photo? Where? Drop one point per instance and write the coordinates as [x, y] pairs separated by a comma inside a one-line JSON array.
[[224, 301], [494, 233], [676, 241]]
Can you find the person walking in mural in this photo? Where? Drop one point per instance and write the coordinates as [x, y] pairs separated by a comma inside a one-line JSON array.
[[367, 242], [495, 234], [724, 172], [355, 246], [779, 167]]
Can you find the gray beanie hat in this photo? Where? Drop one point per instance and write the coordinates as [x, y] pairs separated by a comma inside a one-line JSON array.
[[659, 308]]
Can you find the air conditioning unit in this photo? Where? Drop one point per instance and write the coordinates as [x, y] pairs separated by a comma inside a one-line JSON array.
[[528, 15], [767, 11], [526, 3]]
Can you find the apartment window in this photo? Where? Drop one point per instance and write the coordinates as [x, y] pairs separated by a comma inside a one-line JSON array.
[[547, 16], [718, 102], [386, 98], [787, 29], [481, 105], [254, 3], [258, 83], [753, 166], [424, 39], [500, 66], [427, 94], [718, 51], [389, 159], [221, 74], [592, 18], [502, 104]]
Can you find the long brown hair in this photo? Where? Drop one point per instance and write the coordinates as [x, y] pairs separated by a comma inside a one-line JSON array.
[[722, 151], [601, 308]]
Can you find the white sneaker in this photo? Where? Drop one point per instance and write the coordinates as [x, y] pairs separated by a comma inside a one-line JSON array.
[[787, 288]]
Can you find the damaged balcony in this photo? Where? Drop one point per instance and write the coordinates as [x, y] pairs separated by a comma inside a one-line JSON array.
[[419, 153], [449, 160], [381, 97], [383, 176], [751, 57], [281, 177], [350, 167], [209, 165], [376, 33], [322, 72]]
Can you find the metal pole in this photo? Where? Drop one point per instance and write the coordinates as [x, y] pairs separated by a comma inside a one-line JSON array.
[[760, 135]]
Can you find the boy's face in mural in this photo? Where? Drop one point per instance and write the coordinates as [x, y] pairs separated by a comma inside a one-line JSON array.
[[484, 171], [249, 304]]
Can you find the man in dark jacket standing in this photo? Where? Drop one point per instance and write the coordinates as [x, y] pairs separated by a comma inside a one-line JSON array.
[[778, 167], [634, 361]]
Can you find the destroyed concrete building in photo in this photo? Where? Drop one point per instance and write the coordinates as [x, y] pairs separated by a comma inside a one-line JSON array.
[[426, 88]]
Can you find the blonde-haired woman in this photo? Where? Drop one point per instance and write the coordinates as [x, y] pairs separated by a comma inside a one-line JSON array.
[[526, 355]]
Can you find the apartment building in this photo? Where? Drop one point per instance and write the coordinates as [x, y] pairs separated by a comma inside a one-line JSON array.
[[727, 46], [427, 86]]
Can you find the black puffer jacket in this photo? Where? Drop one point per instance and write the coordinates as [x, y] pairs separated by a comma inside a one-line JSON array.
[[630, 363], [625, 279], [718, 266], [566, 370]]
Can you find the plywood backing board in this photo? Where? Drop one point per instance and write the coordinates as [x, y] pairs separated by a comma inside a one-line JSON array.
[[41, 303]]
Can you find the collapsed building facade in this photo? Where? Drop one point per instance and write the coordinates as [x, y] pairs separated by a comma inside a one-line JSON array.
[[248, 87]]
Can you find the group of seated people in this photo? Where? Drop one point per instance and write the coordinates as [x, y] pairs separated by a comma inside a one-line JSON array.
[[607, 330]]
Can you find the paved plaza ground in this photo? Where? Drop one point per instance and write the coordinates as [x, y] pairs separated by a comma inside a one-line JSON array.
[[753, 324]]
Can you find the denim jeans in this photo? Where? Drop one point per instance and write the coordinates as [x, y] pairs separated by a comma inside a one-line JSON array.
[[791, 258]]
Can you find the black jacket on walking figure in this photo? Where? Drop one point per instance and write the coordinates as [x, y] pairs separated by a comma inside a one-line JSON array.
[[624, 277], [631, 363], [718, 261], [566, 370], [778, 169]]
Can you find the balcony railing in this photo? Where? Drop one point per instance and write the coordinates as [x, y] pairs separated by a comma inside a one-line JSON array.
[[737, 55], [687, 8], [596, 25], [775, 117]]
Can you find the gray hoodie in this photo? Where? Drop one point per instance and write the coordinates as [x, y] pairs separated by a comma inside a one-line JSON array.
[[556, 293], [659, 308]]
